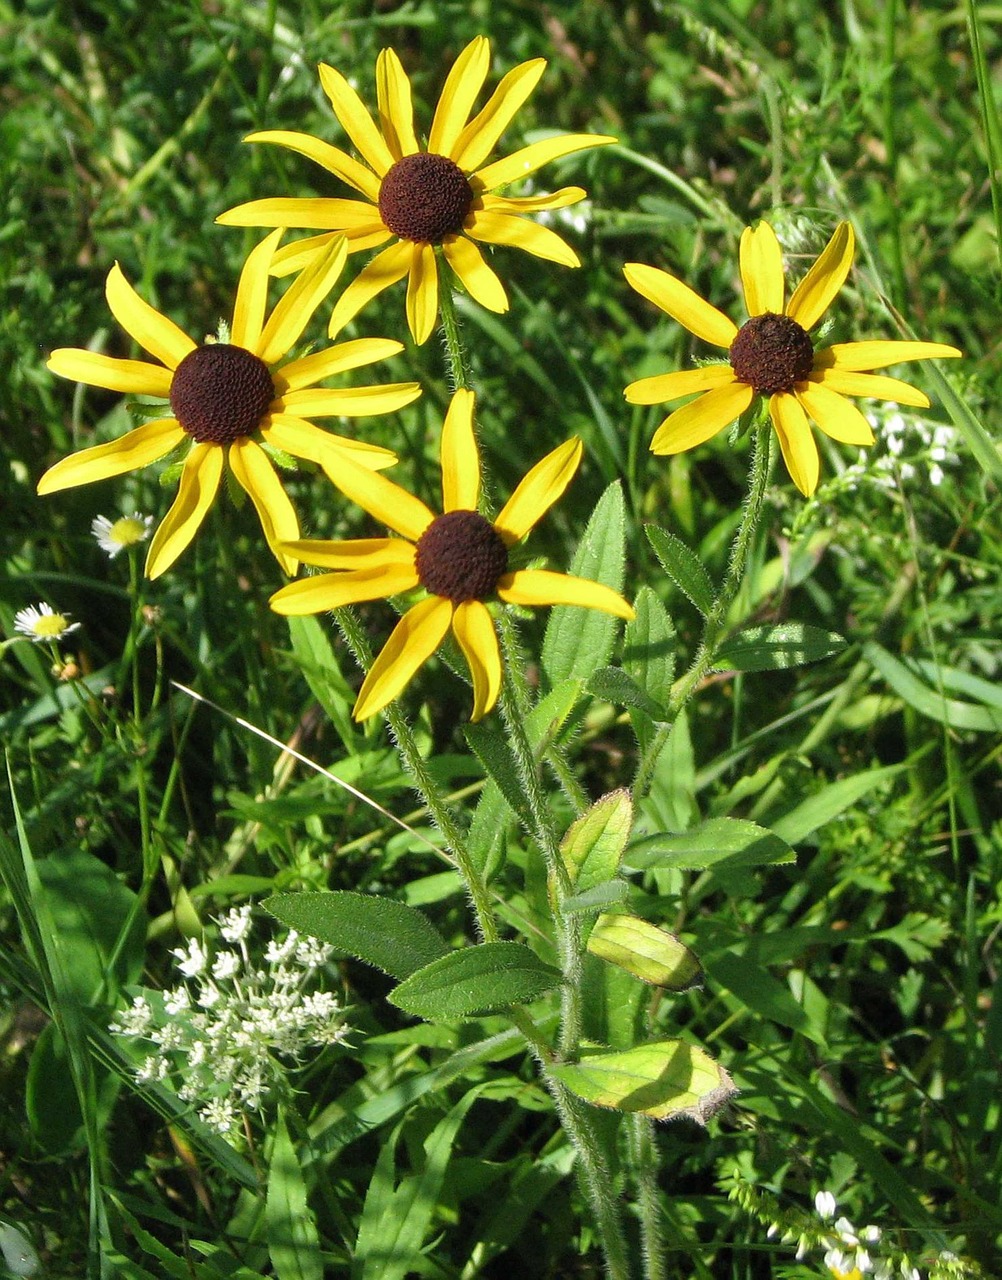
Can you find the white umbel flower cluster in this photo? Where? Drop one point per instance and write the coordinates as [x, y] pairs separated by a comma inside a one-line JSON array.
[[219, 1037]]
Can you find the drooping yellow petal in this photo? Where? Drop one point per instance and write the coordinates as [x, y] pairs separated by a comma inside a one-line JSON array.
[[480, 281], [474, 631], [131, 377], [533, 204], [761, 270], [836, 416], [386, 501], [681, 303], [537, 491], [349, 402], [543, 587], [863, 356], [199, 483], [462, 85], [321, 212], [295, 308], [304, 440], [818, 289], [669, 386], [136, 449], [332, 159], [355, 120], [256, 476], [503, 228], [334, 590], [386, 268], [414, 639], [299, 254], [698, 421], [460, 458], [874, 385], [337, 359], [396, 114], [481, 135], [354, 553], [800, 453], [154, 333], [252, 294], [422, 293], [521, 163]]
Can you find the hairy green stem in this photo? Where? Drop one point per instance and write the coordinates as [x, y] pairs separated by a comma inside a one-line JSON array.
[[455, 354], [644, 1159]]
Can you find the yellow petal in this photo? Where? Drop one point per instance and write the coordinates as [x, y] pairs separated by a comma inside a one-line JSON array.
[[349, 402], [474, 630], [817, 291], [322, 212], [332, 159], [538, 490], [154, 333], [396, 115], [479, 280], [462, 85], [503, 228], [874, 385], [304, 440], [386, 501], [800, 453], [460, 459], [543, 587], [669, 386], [761, 270], [681, 303], [136, 449], [337, 359], [481, 135], [252, 294], [199, 483], [697, 421], [422, 293], [386, 268], [836, 416], [297, 305], [256, 476], [533, 204], [335, 590], [860, 356], [131, 377], [521, 163], [355, 120], [355, 553], [299, 254], [414, 639]]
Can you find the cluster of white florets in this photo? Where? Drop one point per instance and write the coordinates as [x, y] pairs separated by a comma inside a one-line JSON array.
[[915, 447]]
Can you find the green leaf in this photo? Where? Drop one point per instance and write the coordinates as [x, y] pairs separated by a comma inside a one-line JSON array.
[[980, 443], [812, 813], [741, 973], [719, 842], [611, 684], [664, 1079], [928, 701], [772, 648], [316, 659], [593, 845], [475, 980], [596, 899], [683, 566], [290, 1229], [385, 933], [492, 750], [649, 647], [578, 640], [649, 953]]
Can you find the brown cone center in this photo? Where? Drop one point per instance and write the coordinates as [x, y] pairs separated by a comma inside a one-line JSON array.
[[425, 197], [220, 392], [461, 556], [771, 353]]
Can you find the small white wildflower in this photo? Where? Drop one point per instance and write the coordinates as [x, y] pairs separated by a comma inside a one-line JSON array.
[[191, 959], [226, 965], [235, 924], [177, 1001], [152, 1069], [114, 536], [864, 1262], [936, 474], [209, 996], [42, 624], [279, 952], [847, 1231], [311, 953], [134, 1021], [218, 1114], [871, 1235], [825, 1205]]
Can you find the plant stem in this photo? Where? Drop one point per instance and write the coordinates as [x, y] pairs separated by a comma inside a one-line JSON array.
[[644, 1159], [455, 354]]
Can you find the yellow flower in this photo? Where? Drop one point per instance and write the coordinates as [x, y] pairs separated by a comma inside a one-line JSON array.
[[460, 558], [772, 355], [439, 195], [223, 395]]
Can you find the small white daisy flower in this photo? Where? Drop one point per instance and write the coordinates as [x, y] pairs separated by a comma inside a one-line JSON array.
[[825, 1204], [42, 624], [114, 536]]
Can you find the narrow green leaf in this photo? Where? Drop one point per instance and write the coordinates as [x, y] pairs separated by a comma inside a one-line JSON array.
[[930, 702], [683, 566], [381, 931], [577, 640], [316, 659], [772, 648], [664, 1079], [649, 647], [718, 842], [596, 899], [290, 1229], [593, 845], [649, 953], [475, 980], [492, 750], [806, 818], [612, 684], [743, 976]]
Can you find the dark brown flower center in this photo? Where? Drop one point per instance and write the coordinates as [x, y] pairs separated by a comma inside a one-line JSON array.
[[771, 353], [220, 392], [461, 556], [425, 197]]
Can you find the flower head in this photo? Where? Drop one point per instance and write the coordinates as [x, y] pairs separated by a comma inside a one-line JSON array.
[[422, 197], [225, 396], [114, 536], [772, 355], [460, 558], [41, 623]]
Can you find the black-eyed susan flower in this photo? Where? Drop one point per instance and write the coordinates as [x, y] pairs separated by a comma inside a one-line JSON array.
[[772, 355], [420, 197], [225, 396], [460, 558]]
